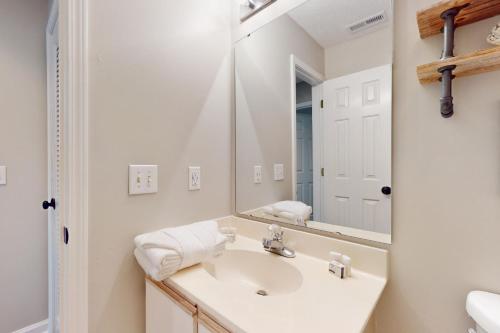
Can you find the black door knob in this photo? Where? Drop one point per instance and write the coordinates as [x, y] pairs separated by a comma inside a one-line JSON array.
[[47, 204], [386, 190]]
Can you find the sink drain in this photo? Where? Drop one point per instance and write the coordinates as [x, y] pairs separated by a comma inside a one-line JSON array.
[[261, 292]]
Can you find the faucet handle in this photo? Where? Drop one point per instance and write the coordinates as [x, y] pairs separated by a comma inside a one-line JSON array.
[[276, 232]]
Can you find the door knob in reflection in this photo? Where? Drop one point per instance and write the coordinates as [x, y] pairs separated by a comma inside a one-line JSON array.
[[386, 190]]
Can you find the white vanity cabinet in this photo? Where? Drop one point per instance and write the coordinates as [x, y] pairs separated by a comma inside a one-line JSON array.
[[208, 325], [168, 311]]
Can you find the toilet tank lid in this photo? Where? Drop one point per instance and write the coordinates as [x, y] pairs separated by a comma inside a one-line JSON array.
[[484, 308]]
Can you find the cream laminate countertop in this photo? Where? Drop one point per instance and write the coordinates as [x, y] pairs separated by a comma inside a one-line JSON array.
[[322, 303]]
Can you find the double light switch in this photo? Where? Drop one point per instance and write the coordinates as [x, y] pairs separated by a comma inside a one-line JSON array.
[[142, 179]]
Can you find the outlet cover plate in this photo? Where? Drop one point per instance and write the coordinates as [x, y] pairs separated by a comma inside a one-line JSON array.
[[194, 181], [257, 174], [3, 175], [279, 172]]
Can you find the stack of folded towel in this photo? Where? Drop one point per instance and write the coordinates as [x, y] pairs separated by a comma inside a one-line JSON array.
[[164, 252], [295, 211]]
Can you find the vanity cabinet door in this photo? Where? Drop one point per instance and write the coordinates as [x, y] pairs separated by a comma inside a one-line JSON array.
[[208, 325], [203, 329], [167, 311]]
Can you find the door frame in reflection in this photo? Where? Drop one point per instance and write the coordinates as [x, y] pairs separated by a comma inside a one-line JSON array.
[[301, 69]]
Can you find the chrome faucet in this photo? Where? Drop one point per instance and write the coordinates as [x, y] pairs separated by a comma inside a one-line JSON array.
[[275, 244]]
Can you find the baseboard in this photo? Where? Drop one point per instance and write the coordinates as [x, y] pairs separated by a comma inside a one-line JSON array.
[[41, 327]]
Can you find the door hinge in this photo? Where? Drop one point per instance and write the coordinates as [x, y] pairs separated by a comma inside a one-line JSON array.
[[322, 172], [322, 103], [66, 235]]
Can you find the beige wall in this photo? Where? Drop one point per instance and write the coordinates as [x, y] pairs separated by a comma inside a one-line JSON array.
[[263, 103], [160, 93], [162, 84], [23, 149], [446, 204], [368, 51]]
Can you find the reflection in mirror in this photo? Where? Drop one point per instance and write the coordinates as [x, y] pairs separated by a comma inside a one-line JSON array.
[[248, 8], [313, 118]]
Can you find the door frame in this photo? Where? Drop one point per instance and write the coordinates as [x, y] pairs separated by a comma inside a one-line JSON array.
[[314, 78], [51, 42], [73, 62]]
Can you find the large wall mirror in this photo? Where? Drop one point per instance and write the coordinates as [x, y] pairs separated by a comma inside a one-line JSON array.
[[313, 118]]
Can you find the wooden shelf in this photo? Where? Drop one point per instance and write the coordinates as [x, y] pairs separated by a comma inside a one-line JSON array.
[[430, 22], [477, 62]]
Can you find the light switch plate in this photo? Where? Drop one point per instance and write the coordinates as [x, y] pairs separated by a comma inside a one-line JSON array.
[[3, 175], [194, 178], [142, 179], [257, 174], [279, 172]]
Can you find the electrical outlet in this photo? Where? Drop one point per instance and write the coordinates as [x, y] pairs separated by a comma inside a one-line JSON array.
[[142, 179], [194, 178], [3, 175], [257, 174], [279, 172]]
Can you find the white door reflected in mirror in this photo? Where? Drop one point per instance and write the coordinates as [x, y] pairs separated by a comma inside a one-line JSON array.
[[357, 150]]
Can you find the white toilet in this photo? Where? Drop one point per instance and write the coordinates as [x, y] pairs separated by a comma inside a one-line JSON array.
[[484, 308]]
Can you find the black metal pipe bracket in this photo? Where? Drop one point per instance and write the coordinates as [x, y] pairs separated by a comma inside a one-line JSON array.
[[447, 76], [446, 95]]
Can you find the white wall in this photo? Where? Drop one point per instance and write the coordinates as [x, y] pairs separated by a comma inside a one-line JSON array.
[[446, 179], [23, 122], [263, 101], [160, 92], [355, 55]]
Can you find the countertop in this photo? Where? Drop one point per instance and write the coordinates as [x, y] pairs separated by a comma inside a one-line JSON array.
[[323, 302]]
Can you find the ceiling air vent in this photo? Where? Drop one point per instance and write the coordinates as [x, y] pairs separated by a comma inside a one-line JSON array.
[[368, 22]]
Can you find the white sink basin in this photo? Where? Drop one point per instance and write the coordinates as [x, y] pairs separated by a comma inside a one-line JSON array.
[[264, 274]]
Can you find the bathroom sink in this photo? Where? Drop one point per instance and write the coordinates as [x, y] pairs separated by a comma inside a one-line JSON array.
[[263, 274]]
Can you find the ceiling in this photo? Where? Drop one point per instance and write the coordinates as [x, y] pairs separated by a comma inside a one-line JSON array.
[[327, 20]]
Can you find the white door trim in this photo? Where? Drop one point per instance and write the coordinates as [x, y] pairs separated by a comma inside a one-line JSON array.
[[54, 248], [74, 102], [317, 121], [53, 18], [311, 76]]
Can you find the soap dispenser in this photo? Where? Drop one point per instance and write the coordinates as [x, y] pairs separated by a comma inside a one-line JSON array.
[[346, 261], [336, 266]]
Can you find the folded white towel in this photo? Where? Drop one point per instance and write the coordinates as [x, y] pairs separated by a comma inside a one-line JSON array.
[[295, 211], [164, 252], [268, 210], [148, 267], [229, 232]]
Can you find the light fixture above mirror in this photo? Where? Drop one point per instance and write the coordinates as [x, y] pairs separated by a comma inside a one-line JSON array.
[[248, 8]]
